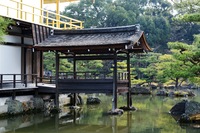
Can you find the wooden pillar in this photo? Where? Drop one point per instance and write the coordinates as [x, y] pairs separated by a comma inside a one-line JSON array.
[[57, 77], [41, 66], [24, 63], [34, 63], [58, 13], [41, 12], [13, 95], [114, 106], [74, 73], [129, 100]]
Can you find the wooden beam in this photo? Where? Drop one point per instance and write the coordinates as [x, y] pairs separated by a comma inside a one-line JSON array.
[[99, 57], [34, 34]]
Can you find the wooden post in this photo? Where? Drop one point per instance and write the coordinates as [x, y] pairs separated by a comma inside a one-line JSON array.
[[74, 73], [57, 77], [25, 79], [114, 106], [41, 66], [24, 63], [13, 95], [1, 81], [14, 81], [129, 102], [57, 14]]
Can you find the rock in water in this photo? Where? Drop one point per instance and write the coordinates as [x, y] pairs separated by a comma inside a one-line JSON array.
[[192, 108], [178, 109], [187, 111], [93, 100], [14, 106], [140, 90]]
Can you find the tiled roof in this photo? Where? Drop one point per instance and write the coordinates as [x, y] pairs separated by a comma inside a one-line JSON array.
[[96, 39], [89, 37]]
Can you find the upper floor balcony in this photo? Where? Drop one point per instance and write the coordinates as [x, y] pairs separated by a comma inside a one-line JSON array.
[[33, 12]]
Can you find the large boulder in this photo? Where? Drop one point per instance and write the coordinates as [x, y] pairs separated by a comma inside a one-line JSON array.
[[14, 106], [93, 100], [140, 90], [187, 111], [36, 103]]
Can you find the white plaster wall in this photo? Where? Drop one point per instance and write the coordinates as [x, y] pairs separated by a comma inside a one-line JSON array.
[[12, 39], [10, 57]]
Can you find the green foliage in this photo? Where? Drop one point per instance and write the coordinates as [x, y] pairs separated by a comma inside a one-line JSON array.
[[189, 56], [3, 27], [195, 17], [187, 6], [153, 16], [188, 10], [92, 66], [67, 65], [145, 67], [49, 62]]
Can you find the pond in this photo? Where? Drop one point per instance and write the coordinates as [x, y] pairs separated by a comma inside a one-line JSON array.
[[152, 116]]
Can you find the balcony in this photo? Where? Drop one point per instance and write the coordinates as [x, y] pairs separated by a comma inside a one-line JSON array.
[[28, 13]]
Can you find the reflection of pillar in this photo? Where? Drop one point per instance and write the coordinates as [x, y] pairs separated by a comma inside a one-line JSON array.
[[129, 121], [114, 124], [74, 71], [114, 106], [129, 100], [57, 123], [75, 115], [57, 77]]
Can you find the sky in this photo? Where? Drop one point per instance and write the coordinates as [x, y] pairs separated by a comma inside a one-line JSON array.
[[53, 6], [63, 5]]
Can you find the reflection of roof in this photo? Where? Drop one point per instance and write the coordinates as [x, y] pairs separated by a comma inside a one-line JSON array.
[[125, 37]]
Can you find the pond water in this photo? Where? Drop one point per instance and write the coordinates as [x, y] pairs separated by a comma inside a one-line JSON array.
[[152, 116]]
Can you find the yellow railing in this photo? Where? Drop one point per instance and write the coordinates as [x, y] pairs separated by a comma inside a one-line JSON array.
[[25, 12]]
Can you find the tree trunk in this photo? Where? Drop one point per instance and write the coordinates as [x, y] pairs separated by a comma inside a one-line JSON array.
[[176, 83]]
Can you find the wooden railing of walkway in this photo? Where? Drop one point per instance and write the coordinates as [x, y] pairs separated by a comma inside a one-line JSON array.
[[83, 75], [12, 80]]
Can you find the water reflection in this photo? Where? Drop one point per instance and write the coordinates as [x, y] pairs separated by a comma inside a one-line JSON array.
[[151, 117]]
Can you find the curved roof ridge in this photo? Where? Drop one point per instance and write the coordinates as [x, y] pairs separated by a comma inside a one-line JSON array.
[[98, 30]]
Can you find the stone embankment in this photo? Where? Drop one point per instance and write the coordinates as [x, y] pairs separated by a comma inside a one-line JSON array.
[[175, 93], [13, 107]]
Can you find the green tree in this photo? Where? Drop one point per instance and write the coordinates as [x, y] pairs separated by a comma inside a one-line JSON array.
[[3, 27], [188, 10], [189, 55], [154, 16], [50, 63], [149, 68]]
